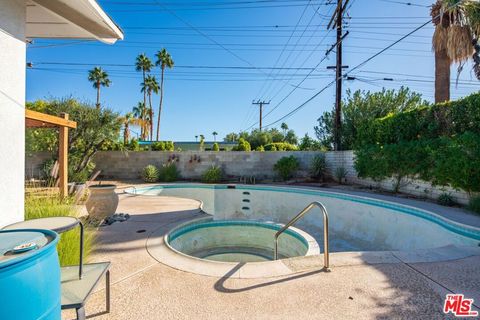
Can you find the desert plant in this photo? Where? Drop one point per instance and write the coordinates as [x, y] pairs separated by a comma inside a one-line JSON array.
[[446, 199], [215, 147], [318, 167], [213, 175], [340, 174], [69, 244], [168, 173], [474, 204], [150, 173], [286, 167]]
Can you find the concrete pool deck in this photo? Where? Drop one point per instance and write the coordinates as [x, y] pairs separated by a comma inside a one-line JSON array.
[[143, 288]]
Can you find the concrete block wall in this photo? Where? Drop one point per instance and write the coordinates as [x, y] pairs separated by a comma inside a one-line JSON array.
[[128, 165], [122, 165]]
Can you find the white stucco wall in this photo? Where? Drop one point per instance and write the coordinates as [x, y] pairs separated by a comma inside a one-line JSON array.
[[12, 112]]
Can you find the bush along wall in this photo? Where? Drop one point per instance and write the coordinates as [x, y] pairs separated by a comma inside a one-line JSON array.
[[439, 144]]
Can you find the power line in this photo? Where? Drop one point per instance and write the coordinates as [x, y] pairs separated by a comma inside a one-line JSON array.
[[353, 69]]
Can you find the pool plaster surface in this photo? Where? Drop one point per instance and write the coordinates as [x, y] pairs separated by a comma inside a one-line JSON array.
[[370, 285]]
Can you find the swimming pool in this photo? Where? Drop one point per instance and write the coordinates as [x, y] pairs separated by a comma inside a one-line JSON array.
[[356, 223]]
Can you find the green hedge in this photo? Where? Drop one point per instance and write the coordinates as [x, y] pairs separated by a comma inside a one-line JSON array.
[[444, 119], [280, 146], [445, 161]]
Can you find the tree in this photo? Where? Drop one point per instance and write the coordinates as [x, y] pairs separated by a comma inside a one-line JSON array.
[[360, 107], [291, 137], [127, 120], [457, 26], [284, 127], [143, 64], [150, 86], [214, 133], [95, 128], [196, 138], [142, 113], [231, 137], [164, 60], [99, 78]]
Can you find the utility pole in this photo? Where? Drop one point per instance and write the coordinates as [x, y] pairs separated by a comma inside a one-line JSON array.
[[337, 22], [261, 104]]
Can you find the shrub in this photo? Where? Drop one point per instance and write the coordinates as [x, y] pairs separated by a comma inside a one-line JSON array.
[[213, 175], [150, 173], [168, 173], [286, 167], [242, 145], [281, 146], [340, 174], [446, 199], [69, 244], [133, 145], [260, 148], [318, 167], [215, 147], [474, 204], [163, 146]]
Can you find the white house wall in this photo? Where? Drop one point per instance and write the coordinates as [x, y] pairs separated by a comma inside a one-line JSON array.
[[12, 112]]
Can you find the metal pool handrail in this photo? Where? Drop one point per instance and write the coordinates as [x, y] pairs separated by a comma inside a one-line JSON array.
[[325, 231]]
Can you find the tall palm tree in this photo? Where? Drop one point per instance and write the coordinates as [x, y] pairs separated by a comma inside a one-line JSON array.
[[164, 60], [196, 138], [141, 112], [99, 78], [457, 27], [150, 86], [284, 127], [127, 120], [214, 133], [143, 64]]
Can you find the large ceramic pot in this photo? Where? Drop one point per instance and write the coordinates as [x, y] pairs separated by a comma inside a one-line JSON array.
[[102, 202]]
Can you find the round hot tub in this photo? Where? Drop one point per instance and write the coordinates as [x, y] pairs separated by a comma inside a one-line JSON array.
[[239, 241]]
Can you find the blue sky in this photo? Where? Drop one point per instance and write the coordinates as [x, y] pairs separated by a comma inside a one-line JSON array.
[[240, 37]]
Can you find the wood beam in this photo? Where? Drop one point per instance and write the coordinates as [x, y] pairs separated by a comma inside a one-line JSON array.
[[63, 158], [37, 118]]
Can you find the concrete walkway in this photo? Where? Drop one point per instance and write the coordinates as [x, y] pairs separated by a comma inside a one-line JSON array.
[[143, 288]]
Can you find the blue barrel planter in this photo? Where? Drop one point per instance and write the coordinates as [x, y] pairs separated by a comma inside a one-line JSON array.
[[29, 280]]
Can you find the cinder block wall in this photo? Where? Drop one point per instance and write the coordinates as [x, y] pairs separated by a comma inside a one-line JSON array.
[[121, 165], [128, 165]]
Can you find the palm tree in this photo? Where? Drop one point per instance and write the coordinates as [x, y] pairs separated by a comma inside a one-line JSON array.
[[127, 120], [141, 112], [144, 64], [150, 85], [99, 78], [196, 138], [164, 60], [214, 133], [457, 27], [284, 127]]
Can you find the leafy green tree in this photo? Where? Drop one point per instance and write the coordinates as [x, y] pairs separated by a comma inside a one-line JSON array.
[[99, 78], [143, 64], [291, 137], [231, 137], [243, 145], [95, 128], [276, 135], [361, 107], [309, 144], [164, 60]]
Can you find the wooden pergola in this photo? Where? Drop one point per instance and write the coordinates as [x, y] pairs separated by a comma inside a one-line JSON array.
[[34, 119]]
